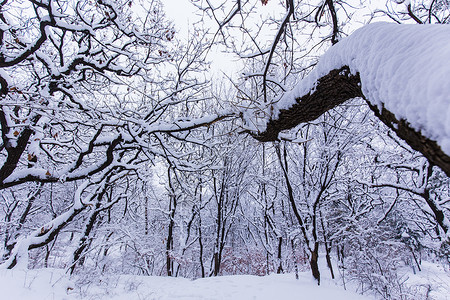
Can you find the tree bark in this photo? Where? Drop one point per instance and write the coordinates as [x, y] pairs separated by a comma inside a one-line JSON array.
[[280, 265], [314, 252], [335, 88], [327, 245], [83, 244], [314, 262], [429, 148], [172, 209]]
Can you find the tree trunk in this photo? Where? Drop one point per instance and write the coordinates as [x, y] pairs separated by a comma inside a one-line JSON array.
[[313, 262], [169, 244], [327, 247], [200, 244], [84, 243], [172, 209], [200, 241], [280, 266], [328, 258]]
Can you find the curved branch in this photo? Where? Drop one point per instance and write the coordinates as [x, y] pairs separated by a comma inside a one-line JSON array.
[[14, 150], [334, 36], [334, 89], [429, 148], [280, 32], [30, 49], [364, 60], [75, 173], [331, 90]]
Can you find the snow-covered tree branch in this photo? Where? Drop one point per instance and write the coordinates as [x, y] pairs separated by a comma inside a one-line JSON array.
[[397, 68]]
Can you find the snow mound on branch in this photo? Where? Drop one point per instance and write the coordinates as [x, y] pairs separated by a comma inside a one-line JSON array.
[[406, 68]]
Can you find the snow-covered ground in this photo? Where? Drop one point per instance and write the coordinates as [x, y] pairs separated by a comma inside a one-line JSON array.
[[55, 284], [432, 277]]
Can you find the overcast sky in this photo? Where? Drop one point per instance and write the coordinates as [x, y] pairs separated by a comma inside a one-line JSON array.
[[182, 13]]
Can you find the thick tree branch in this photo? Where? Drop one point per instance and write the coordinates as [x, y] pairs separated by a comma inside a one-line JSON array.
[[14, 151], [335, 88], [429, 148]]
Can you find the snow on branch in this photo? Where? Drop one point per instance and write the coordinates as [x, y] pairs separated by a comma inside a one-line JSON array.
[[401, 70]]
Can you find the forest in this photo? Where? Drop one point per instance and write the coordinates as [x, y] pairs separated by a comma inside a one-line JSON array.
[[322, 148]]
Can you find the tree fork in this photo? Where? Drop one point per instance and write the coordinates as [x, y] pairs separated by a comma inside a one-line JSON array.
[[335, 88]]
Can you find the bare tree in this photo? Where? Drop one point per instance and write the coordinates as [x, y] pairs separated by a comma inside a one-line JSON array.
[[86, 102]]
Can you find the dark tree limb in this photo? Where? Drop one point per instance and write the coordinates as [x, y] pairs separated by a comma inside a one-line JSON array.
[[429, 148], [334, 89], [334, 36], [281, 30], [14, 150], [413, 16]]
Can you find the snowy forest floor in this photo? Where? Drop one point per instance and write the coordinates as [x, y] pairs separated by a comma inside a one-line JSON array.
[[56, 284]]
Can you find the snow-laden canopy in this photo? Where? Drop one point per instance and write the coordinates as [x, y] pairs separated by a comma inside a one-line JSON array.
[[401, 69]]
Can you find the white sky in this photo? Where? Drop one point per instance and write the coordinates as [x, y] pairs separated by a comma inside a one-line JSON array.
[[182, 13], [179, 11]]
